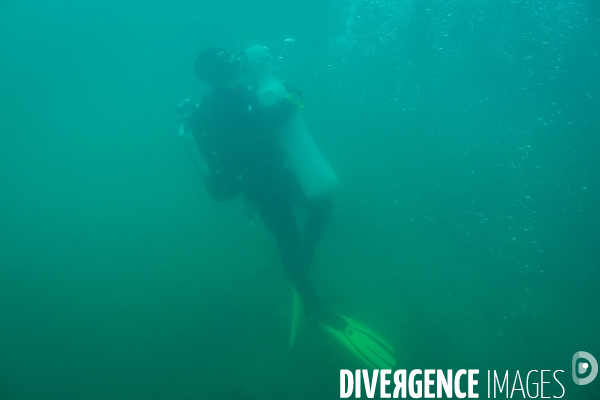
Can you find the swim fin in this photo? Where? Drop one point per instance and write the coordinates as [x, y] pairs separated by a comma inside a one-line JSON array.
[[359, 339], [296, 312], [364, 343]]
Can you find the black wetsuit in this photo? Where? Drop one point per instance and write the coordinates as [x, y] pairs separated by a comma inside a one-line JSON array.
[[238, 140]]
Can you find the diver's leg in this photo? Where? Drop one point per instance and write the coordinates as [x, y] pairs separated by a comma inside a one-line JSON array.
[[319, 214], [279, 217]]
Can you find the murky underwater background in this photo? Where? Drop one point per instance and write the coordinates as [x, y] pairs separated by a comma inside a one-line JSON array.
[[466, 138]]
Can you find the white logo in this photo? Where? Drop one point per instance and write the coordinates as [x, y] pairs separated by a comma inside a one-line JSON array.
[[581, 367]]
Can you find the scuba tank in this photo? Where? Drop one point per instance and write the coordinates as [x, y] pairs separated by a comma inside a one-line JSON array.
[[315, 176], [186, 109]]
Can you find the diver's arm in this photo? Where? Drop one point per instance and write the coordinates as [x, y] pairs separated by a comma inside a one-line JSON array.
[[220, 184]]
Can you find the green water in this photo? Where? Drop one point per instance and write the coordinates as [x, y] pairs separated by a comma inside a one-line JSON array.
[[465, 135]]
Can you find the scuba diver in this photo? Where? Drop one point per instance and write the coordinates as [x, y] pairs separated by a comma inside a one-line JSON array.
[[238, 131]]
